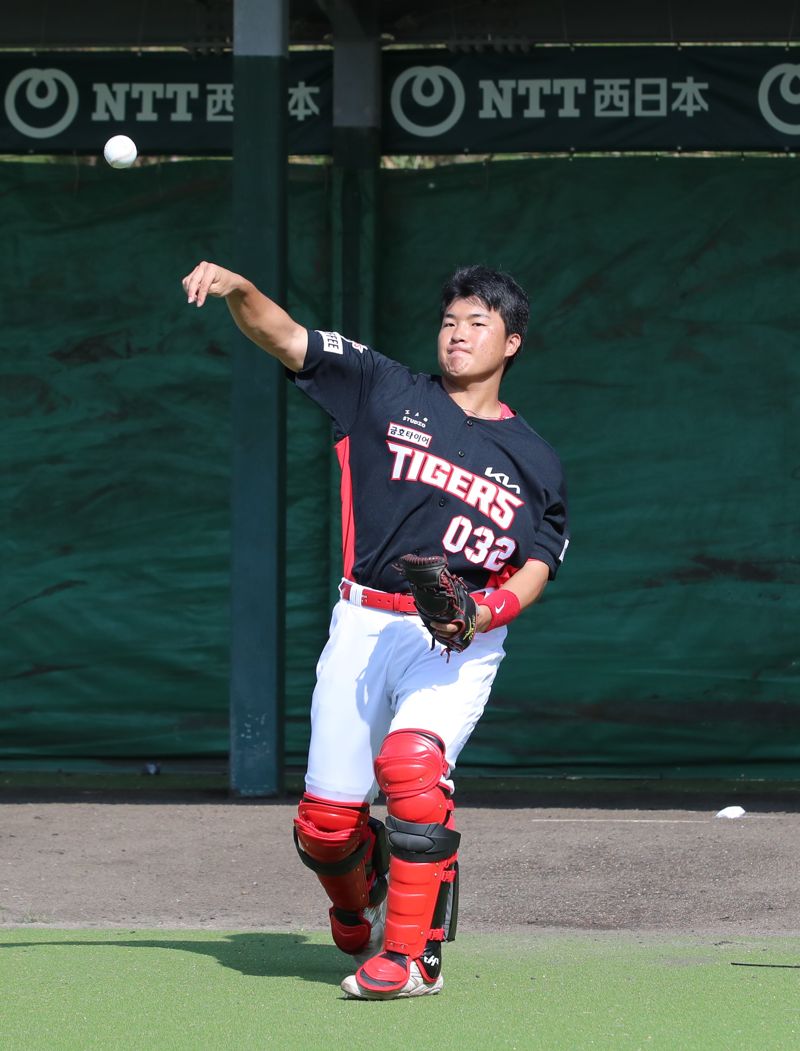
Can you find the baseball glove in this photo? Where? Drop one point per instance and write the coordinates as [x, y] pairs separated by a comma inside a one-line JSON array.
[[441, 598]]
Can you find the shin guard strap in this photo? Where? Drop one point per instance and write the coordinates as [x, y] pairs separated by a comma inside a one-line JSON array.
[[421, 843], [332, 868]]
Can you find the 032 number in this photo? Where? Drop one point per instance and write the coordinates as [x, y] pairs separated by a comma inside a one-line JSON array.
[[478, 543]]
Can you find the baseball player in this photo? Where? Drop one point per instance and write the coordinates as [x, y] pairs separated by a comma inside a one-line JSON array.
[[431, 465]]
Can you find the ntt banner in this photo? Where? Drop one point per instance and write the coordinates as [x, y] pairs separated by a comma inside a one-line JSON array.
[[435, 102], [167, 103]]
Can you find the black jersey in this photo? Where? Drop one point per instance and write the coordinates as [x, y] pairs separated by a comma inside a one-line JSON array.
[[420, 475]]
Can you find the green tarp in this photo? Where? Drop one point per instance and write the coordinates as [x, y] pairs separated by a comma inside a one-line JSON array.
[[661, 363]]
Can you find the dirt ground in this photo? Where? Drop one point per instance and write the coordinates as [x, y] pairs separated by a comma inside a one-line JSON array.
[[202, 860]]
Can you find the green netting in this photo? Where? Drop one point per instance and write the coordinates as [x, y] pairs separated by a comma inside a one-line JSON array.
[[663, 366], [116, 461], [661, 363]]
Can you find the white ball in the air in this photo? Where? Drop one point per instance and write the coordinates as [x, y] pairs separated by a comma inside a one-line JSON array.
[[120, 151]]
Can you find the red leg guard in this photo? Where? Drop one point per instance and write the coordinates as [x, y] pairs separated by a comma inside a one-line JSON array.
[[414, 889], [423, 845], [409, 767], [346, 849]]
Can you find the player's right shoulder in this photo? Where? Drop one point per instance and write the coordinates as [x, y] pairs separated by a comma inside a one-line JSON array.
[[335, 343], [329, 349]]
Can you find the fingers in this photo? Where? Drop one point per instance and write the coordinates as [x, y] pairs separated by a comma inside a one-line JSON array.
[[447, 629], [193, 284], [204, 280]]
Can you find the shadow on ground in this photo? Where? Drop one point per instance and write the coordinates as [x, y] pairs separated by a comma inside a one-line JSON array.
[[261, 955]]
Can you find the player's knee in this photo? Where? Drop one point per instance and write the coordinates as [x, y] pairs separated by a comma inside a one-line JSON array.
[[409, 768], [329, 831]]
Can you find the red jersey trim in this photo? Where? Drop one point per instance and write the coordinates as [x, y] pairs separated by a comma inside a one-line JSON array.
[[505, 413], [498, 580], [348, 520]]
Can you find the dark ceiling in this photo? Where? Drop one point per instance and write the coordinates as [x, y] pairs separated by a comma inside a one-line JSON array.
[[207, 24]]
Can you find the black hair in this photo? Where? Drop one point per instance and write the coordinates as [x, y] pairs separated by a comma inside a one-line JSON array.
[[496, 290]]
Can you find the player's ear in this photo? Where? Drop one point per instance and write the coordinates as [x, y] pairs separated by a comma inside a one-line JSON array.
[[513, 343], [513, 347]]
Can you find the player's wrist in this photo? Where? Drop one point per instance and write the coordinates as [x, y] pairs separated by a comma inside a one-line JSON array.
[[237, 287], [502, 607]]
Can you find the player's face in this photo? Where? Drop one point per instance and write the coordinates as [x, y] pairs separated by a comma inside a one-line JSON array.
[[473, 343]]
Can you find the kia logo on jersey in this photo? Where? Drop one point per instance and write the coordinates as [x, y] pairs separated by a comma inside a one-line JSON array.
[[503, 479]]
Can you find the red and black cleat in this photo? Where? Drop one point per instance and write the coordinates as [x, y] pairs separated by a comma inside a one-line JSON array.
[[392, 976]]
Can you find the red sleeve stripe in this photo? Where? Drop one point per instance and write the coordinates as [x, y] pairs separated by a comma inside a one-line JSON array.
[[496, 580], [348, 520]]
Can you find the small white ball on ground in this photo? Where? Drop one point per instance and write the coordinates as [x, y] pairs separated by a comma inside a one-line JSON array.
[[731, 812], [120, 151]]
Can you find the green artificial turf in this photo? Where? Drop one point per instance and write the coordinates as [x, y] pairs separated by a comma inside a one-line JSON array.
[[176, 990]]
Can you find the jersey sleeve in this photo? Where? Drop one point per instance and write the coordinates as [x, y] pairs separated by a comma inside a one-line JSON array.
[[338, 375], [552, 536]]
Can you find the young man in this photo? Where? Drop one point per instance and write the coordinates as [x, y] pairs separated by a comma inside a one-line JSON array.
[[430, 465]]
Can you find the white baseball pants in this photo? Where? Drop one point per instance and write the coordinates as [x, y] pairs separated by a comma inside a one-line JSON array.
[[378, 673]]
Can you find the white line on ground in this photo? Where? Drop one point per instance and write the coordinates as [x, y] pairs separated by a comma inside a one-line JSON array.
[[650, 820]]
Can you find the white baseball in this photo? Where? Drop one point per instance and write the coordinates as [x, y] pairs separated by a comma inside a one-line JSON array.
[[120, 151], [731, 811]]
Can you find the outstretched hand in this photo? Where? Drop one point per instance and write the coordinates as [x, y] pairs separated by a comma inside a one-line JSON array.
[[208, 279]]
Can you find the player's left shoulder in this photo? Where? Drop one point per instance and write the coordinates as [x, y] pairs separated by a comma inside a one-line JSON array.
[[521, 431]]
